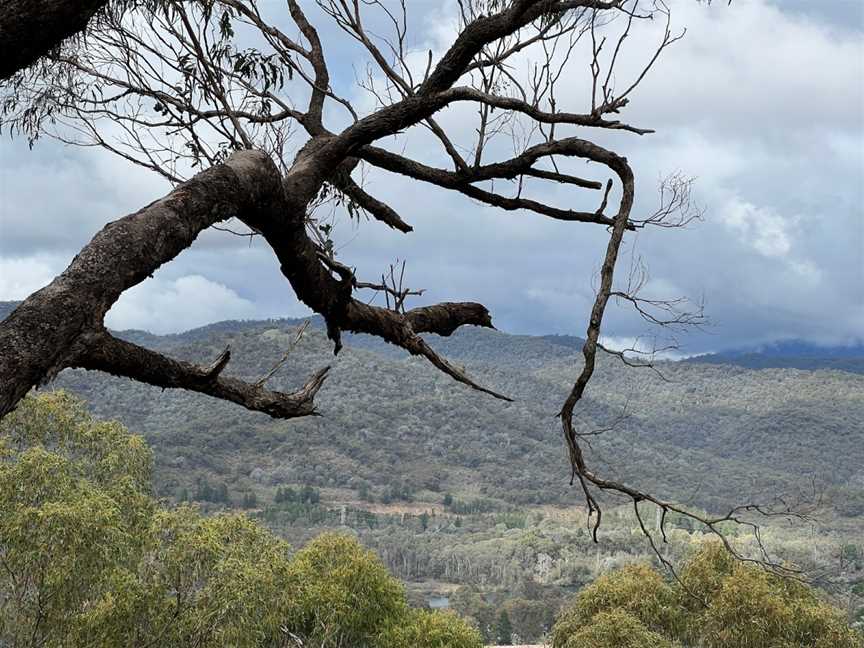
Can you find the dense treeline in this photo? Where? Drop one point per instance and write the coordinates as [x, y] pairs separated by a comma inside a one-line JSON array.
[[528, 564]]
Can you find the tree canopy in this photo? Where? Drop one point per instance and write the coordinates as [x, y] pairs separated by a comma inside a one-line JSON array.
[[90, 558], [719, 602]]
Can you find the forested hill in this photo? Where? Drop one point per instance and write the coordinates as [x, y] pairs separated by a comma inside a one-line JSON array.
[[393, 427], [792, 354], [786, 354]]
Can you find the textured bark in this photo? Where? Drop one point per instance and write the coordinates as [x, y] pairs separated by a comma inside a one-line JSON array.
[[31, 28], [444, 319], [62, 325], [43, 335]]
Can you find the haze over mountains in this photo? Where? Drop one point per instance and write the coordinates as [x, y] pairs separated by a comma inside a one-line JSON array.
[[784, 353], [794, 354]]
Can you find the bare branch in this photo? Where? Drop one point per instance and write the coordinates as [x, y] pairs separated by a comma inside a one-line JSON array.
[[285, 356], [103, 352]]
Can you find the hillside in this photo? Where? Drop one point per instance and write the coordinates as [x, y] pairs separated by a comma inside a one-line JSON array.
[[711, 435], [466, 498], [783, 354]]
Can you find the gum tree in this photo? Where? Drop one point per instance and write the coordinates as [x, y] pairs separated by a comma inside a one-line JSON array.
[[244, 93]]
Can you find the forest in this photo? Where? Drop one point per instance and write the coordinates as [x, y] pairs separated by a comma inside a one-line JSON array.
[[455, 530]]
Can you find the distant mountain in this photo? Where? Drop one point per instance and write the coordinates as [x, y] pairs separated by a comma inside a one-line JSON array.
[[786, 354], [7, 307], [709, 435], [791, 354]]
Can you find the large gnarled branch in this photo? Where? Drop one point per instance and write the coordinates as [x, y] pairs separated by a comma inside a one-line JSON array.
[[31, 28], [62, 325], [38, 338]]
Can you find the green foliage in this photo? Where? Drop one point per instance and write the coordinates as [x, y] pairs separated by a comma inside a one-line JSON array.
[[309, 495], [222, 576], [612, 629], [74, 499], [705, 572], [425, 629], [401, 492], [720, 603], [205, 492], [755, 608], [504, 630], [285, 494], [852, 555], [90, 559], [637, 590], [340, 594]]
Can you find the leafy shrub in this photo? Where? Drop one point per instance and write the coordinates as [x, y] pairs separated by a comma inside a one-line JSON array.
[[425, 629], [719, 603], [91, 559]]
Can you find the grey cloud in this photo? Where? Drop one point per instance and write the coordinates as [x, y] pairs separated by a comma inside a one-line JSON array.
[[165, 306], [777, 149], [842, 14]]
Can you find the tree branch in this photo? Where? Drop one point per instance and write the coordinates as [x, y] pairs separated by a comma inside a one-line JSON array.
[[36, 340], [31, 28], [101, 351]]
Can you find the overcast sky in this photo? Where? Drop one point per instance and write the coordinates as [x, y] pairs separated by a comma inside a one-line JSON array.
[[762, 102]]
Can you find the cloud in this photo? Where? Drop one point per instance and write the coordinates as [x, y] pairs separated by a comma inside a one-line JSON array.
[[761, 102], [169, 306], [785, 74], [19, 277], [644, 349], [761, 228]]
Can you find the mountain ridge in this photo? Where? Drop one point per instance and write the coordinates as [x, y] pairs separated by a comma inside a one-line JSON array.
[[780, 354], [709, 434]]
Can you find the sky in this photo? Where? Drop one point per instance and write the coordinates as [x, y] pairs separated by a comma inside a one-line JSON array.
[[762, 103]]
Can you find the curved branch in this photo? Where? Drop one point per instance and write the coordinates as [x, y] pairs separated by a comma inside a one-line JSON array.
[[310, 274], [316, 57], [505, 170], [38, 338], [372, 205]]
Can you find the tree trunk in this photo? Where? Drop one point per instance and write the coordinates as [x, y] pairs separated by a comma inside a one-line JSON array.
[[31, 28]]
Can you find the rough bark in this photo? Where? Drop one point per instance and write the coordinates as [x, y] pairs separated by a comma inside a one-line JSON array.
[[103, 352], [43, 335], [31, 28], [62, 325]]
